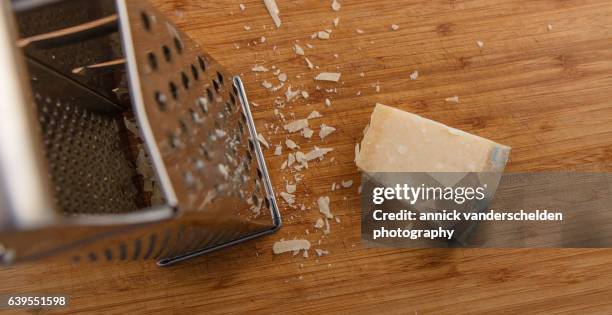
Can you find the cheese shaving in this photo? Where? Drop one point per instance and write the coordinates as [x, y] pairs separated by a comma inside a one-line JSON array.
[[314, 114], [326, 131], [262, 140], [323, 203], [296, 126], [289, 198], [328, 76], [452, 99], [290, 188], [291, 144], [290, 246], [317, 153], [257, 68], [274, 12], [298, 50]]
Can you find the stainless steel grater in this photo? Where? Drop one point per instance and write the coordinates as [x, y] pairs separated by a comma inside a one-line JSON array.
[[120, 138]]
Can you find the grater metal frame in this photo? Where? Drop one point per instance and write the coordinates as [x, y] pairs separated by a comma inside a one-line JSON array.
[[182, 226]]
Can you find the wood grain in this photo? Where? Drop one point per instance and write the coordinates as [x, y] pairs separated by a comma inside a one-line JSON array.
[[547, 93]]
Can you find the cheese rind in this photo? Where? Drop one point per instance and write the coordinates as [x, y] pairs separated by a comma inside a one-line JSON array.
[[398, 141]]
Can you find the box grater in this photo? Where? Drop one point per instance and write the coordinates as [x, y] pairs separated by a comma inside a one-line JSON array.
[[121, 139]]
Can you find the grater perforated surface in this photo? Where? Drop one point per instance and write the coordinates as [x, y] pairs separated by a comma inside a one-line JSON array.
[[196, 117]]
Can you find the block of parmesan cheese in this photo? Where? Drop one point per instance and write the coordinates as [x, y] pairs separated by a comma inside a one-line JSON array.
[[398, 141]]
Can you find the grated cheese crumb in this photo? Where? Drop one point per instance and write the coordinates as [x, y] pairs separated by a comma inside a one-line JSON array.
[[278, 150], [335, 6], [394, 27], [479, 43], [414, 75], [347, 184], [452, 99], [323, 203]]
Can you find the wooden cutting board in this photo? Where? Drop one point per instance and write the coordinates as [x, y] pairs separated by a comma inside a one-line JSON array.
[[541, 83]]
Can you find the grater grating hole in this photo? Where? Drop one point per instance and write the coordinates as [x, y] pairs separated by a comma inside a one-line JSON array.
[[178, 45], [151, 247], [173, 90], [146, 20], [251, 146], [167, 53], [195, 73], [185, 79], [210, 95], [220, 77], [216, 85], [152, 60], [108, 254], [137, 248], [202, 63]]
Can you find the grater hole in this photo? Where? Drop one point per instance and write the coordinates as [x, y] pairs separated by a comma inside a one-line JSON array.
[[162, 100], [210, 95], [259, 173], [173, 90], [220, 77], [267, 203], [185, 80], [152, 60], [174, 141], [232, 99], [178, 44], [202, 63], [251, 145], [167, 53], [255, 200], [184, 126], [240, 127], [195, 73], [216, 85], [146, 20]]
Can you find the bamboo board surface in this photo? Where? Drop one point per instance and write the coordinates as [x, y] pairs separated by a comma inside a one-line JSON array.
[[545, 91]]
